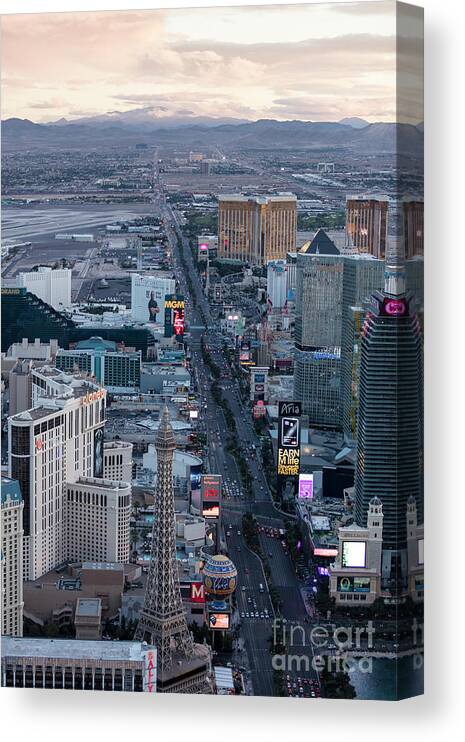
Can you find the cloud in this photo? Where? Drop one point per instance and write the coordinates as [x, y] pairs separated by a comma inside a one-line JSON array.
[[96, 61]]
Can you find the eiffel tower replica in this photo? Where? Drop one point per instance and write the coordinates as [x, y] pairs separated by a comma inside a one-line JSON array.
[[182, 666]]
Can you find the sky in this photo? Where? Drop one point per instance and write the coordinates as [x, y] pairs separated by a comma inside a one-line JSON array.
[[310, 62]]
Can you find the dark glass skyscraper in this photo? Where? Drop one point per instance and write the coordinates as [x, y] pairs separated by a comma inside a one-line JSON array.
[[389, 460], [390, 416]]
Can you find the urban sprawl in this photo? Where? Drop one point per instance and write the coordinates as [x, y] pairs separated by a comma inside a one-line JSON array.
[[212, 421]]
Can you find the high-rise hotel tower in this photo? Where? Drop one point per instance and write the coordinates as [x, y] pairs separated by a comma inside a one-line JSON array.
[[256, 229]]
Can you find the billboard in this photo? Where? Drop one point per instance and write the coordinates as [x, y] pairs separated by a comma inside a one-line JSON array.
[[211, 495], [353, 584], [259, 383], [148, 294], [219, 621], [324, 552], [305, 486], [421, 551], [207, 246], [197, 593], [195, 480], [245, 352], [98, 452], [174, 315], [288, 463], [354, 553]]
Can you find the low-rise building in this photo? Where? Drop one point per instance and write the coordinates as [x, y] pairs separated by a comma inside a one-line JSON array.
[[78, 665], [88, 618]]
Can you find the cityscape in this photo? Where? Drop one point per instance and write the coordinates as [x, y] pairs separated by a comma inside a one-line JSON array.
[[212, 356]]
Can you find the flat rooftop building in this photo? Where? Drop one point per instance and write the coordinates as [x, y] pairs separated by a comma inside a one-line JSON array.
[[77, 664]]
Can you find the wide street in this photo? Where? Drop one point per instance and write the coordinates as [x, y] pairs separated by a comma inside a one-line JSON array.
[[256, 623]]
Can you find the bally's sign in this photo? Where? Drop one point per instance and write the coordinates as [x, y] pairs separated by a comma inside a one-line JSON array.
[[93, 396]]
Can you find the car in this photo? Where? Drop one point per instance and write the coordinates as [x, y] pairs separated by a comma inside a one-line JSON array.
[[244, 588], [242, 614], [238, 533]]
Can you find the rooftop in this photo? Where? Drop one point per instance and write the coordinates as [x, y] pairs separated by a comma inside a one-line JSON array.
[[89, 607], [72, 649], [10, 490]]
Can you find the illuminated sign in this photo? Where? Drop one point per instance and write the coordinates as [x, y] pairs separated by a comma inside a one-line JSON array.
[[219, 621], [305, 486], [211, 495], [174, 315], [93, 396], [394, 307], [174, 304], [325, 552], [353, 584], [150, 670], [259, 410], [289, 408], [178, 321], [210, 511], [354, 553], [289, 432], [258, 383], [421, 551], [197, 592], [288, 461]]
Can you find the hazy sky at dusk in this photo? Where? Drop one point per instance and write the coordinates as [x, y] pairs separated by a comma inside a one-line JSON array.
[[316, 62]]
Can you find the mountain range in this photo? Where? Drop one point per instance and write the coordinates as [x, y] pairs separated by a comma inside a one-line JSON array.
[[352, 135]]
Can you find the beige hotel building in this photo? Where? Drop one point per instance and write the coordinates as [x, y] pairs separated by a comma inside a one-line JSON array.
[[256, 229], [56, 452], [11, 558]]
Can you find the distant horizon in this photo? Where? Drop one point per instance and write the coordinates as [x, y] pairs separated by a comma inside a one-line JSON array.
[[194, 119], [315, 63]]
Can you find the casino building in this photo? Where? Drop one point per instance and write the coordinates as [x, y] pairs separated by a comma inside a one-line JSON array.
[[78, 664], [24, 315], [389, 468], [115, 368], [56, 453]]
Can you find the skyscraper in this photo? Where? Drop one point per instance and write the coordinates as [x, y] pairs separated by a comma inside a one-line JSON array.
[[317, 356], [390, 418], [11, 558], [362, 275], [256, 229], [366, 224], [183, 666], [413, 226], [56, 441]]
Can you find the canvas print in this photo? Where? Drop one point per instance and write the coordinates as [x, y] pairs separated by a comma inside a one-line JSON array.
[[212, 364]]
